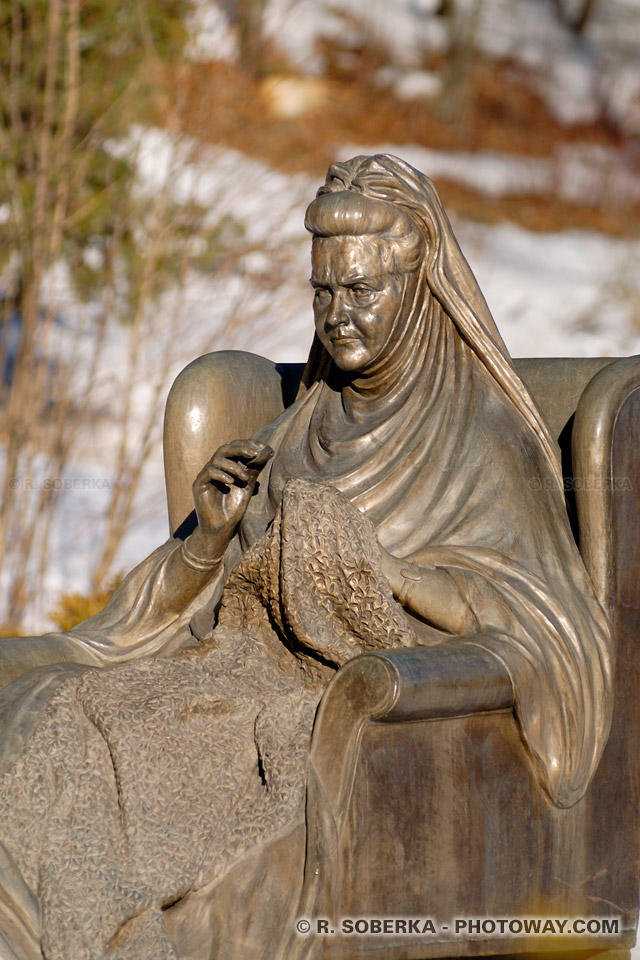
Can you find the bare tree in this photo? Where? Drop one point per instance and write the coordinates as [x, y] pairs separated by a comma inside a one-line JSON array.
[[72, 73], [575, 15], [462, 26]]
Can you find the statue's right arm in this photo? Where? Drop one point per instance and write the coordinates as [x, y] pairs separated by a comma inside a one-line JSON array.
[[147, 615], [150, 611], [160, 596]]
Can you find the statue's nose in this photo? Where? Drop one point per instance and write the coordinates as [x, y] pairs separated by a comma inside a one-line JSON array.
[[338, 313]]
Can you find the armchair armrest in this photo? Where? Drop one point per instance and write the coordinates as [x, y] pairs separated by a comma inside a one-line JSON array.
[[448, 681], [601, 480], [420, 683]]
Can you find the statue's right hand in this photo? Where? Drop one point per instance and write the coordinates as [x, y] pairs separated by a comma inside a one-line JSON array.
[[223, 488]]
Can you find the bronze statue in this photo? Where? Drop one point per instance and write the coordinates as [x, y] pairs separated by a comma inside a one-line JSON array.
[[411, 495]]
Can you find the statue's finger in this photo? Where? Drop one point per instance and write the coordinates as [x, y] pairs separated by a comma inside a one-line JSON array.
[[216, 475], [243, 449], [234, 468], [263, 456]]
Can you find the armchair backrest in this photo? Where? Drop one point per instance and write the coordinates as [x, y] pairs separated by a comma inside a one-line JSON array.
[[557, 383], [592, 407], [230, 394]]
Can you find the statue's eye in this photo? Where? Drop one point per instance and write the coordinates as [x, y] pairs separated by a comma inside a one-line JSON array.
[[363, 294], [322, 295]]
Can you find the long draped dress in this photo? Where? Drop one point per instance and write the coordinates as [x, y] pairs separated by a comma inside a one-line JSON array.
[[125, 789]]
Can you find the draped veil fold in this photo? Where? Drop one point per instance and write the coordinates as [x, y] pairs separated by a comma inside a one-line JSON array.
[[453, 463]]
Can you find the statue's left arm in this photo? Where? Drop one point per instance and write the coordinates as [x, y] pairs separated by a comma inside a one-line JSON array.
[[429, 593]]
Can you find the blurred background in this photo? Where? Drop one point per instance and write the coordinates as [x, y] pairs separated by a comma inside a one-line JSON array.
[[156, 158]]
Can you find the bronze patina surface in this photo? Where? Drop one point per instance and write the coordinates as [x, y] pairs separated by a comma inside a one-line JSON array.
[[397, 534]]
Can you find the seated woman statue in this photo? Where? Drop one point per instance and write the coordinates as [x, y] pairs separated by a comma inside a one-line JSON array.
[[411, 495]]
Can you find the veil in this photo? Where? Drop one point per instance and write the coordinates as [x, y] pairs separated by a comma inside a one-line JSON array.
[[448, 275]]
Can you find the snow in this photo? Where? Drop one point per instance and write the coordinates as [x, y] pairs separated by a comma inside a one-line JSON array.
[[296, 25], [225, 181], [573, 293], [577, 76], [212, 36], [568, 294], [417, 85]]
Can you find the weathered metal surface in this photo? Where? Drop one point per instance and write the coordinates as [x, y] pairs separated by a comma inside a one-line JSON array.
[[410, 498]]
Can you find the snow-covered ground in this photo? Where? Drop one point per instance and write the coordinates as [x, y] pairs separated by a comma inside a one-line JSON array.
[[574, 293], [577, 76], [567, 294]]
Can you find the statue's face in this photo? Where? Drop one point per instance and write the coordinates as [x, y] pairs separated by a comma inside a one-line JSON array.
[[358, 296]]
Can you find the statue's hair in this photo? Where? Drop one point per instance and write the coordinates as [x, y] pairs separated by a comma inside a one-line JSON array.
[[340, 213]]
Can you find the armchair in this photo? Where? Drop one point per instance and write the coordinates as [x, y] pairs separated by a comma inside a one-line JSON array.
[[429, 806]]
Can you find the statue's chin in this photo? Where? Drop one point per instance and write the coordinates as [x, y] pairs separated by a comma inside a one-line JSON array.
[[350, 357]]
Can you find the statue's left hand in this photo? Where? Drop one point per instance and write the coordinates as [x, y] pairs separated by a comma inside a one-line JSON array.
[[429, 593], [397, 571]]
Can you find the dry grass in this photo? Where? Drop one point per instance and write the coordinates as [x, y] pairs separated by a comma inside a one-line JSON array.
[[73, 608], [218, 103], [540, 214]]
